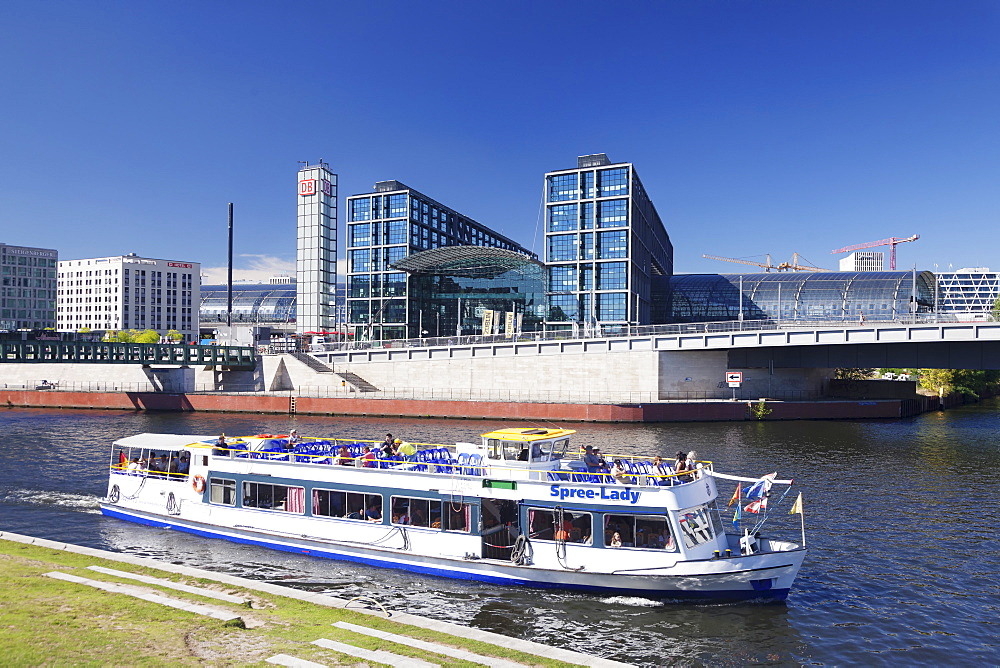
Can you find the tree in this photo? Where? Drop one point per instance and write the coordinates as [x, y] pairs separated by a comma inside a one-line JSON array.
[[147, 336], [995, 314], [174, 335]]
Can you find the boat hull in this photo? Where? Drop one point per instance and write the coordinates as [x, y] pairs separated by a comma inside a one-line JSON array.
[[764, 577]]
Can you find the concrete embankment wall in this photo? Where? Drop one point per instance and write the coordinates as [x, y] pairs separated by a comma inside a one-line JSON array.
[[652, 412]]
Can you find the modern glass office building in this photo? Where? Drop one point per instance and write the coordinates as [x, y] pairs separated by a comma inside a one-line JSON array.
[[883, 295], [385, 227], [28, 293], [971, 291], [459, 290], [604, 244]]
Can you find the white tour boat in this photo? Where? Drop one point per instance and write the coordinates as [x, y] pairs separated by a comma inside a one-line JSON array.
[[518, 508]]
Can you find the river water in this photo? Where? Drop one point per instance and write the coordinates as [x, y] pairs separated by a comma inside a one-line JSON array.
[[901, 517]]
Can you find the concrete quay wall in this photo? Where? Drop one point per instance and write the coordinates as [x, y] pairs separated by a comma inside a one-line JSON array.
[[651, 412]]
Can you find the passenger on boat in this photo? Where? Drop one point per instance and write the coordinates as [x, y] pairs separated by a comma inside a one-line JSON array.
[[564, 529], [164, 466], [221, 447], [344, 457], [293, 439], [616, 540], [133, 467], [680, 466], [153, 467], [172, 467], [374, 513], [659, 469], [600, 459], [184, 464], [591, 460], [388, 448], [407, 450], [619, 473], [692, 462], [523, 455], [368, 458]]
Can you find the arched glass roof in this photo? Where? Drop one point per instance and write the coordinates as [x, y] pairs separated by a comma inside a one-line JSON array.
[[878, 295], [467, 261], [251, 303]]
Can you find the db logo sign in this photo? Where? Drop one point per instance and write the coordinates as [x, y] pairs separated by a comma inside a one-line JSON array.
[[307, 187]]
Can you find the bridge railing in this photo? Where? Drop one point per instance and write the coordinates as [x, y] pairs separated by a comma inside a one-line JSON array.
[[126, 353], [617, 331]]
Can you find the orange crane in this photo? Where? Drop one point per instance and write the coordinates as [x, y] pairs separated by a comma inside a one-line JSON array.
[[890, 242], [783, 266]]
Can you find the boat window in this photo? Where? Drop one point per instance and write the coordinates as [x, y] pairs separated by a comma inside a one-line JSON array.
[[696, 525], [416, 512], [347, 505], [559, 449], [512, 450], [222, 491], [456, 516], [274, 497], [559, 524], [494, 448], [645, 531]]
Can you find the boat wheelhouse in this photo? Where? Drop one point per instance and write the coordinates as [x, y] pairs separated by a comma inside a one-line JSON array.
[[519, 507]]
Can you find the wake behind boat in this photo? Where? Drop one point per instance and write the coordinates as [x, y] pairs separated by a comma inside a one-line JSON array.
[[517, 508]]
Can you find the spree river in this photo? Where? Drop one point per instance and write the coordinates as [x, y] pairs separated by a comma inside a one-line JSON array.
[[901, 516]]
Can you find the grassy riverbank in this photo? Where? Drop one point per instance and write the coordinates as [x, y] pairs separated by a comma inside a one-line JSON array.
[[44, 621]]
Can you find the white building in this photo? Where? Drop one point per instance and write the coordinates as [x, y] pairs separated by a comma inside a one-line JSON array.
[[316, 258], [865, 261], [968, 293], [129, 292]]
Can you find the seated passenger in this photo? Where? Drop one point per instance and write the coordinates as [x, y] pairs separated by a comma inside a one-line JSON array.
[[221, 447], [619, 473], [374, 513], [184, 463], [344, 457], [368, 458], [591, 460], [680, 466], [133, 467], [523, 455], [407, 450], [616, 540]]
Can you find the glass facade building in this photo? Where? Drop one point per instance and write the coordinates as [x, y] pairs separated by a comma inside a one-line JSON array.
[[973, 291], [385, 227], [252, 303], [453, 290], [28, 291], [604, 244], [820, 296]]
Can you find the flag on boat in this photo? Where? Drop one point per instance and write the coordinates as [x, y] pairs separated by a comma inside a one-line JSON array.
[[759, 489], [757, 506], [738, 514], [122, 459], [797, 506], [736, 496]]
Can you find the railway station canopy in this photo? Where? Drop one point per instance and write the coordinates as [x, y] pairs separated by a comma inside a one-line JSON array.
[[813, 296]]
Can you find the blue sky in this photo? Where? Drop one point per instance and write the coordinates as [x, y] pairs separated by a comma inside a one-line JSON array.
[[756, 127]]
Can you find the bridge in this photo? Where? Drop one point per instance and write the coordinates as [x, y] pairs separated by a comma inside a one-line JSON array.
[[147, 354]]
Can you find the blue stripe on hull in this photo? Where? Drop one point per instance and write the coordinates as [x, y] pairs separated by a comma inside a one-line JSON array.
[[771, 595]]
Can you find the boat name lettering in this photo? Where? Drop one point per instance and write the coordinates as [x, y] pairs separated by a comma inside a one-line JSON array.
[[604, 493]]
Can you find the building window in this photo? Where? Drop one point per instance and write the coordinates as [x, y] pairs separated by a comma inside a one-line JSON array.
[[360, 235], [395, 232], [564, 308], [359, 286], [361, 209], [613, 213], [563, 278], [611, 182], [562, 187], [612, 276], [360, 260], [562, 218], [611, 306], [562, 247], [612, 245]]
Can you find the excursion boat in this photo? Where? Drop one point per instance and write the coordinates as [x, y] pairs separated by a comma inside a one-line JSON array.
[[518, 508]]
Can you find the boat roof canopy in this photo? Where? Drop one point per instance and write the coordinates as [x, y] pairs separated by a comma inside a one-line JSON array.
[[528, 434], [160, 441]]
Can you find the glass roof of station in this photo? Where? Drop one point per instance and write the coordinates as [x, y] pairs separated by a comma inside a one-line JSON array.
[[467, 261]]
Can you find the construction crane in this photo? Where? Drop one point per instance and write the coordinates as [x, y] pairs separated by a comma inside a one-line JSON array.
[[891, 242], [784, 266]]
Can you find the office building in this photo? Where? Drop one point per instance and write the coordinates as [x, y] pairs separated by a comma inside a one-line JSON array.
[[863, 261], [129, 292], [28, 291], [316, 258], [968, 293], [604, 246], [385, 227]]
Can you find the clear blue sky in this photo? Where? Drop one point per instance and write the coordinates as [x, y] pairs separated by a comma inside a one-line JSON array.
[[756, 127]]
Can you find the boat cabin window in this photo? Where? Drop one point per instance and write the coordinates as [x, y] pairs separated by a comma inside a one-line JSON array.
[[698, 525], [346, 505], [558, 524], [559, 448], [222, 491], [456, 516], [274, 497], [644, 531], [416, 512], [495, 451]]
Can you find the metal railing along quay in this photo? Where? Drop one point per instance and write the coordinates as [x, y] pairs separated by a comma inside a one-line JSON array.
[[126, 353]]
